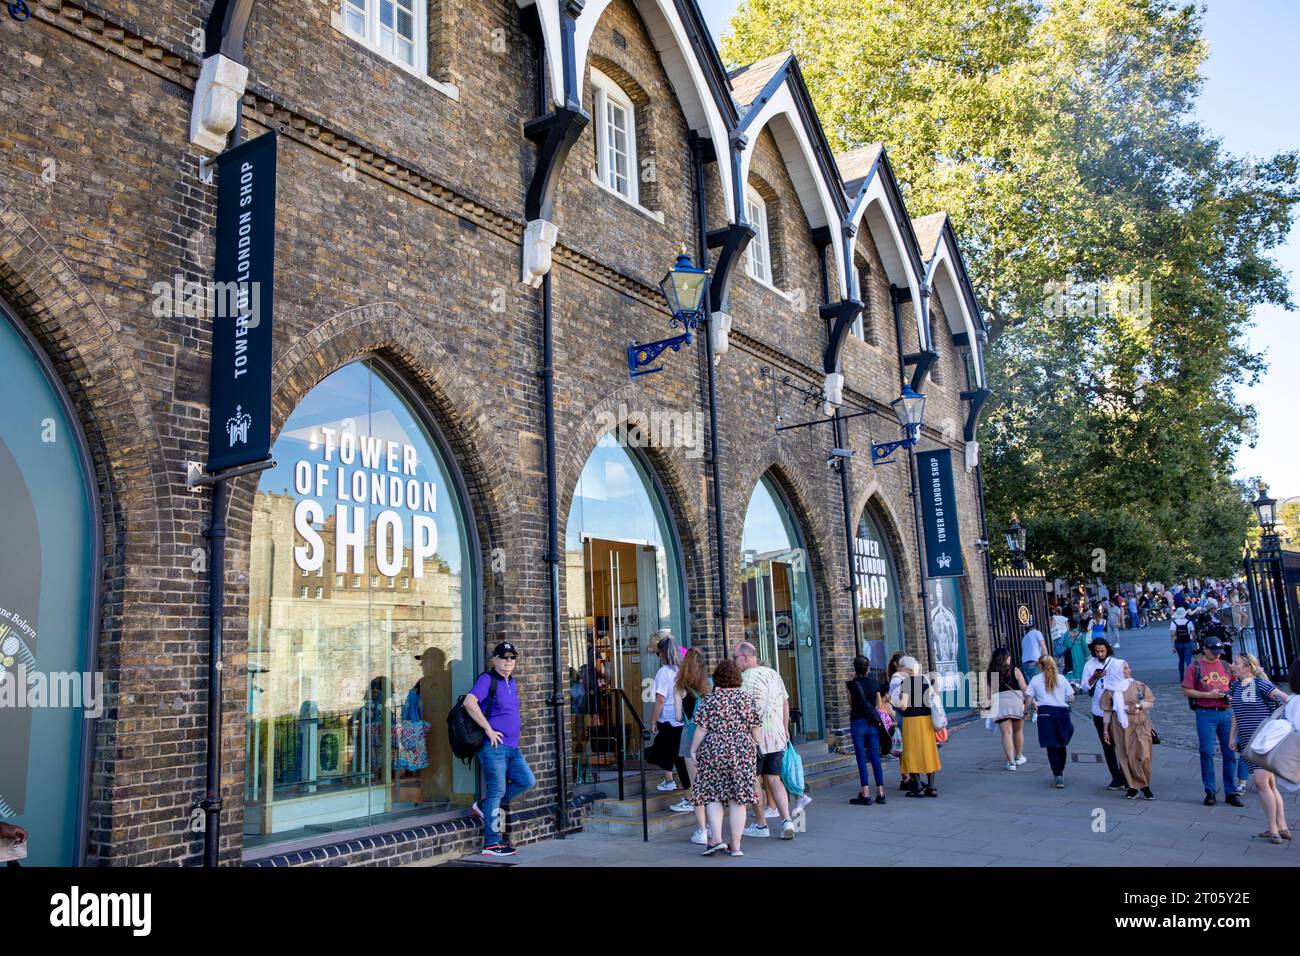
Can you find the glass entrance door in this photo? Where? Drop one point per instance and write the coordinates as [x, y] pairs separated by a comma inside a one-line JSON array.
[[778, 622], [610, 646]]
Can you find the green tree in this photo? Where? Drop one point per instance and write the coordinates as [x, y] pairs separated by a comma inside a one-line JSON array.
[[1117, 248]]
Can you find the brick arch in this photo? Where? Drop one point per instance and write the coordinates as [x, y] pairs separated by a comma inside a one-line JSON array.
[[387, 331], [126, 455], [688, 516]]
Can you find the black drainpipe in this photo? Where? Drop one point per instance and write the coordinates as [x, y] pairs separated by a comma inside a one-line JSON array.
[[897, 296], [839, 432], [702, 255], [553, 557]]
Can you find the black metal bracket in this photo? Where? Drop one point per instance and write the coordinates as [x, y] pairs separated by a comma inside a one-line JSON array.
[[555, 133], [922, 360], [732, 240], [841, 315], [977, 399], [225, 28]]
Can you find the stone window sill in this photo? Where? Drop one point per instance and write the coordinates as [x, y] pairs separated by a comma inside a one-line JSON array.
[[789, 297], [650, 214], [447, 89]]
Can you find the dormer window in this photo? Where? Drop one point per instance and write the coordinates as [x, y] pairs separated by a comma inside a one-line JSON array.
[[758, 255], [394, 28], [615, 137]]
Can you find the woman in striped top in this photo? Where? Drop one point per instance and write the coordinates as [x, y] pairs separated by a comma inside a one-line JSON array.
[[1252, 697]]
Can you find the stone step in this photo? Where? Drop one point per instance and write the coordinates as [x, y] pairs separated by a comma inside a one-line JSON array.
[[623, 817]]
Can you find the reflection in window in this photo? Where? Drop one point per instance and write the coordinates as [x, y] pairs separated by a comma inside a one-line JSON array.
[[776, 589], [880, 620], [622, 584], [338, 686]]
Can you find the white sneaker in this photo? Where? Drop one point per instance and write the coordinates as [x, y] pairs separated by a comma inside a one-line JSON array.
[[801, 803], [1011, 765], [1021, 760], [683, 806], [757, 832], [667, 786], [701, 837], [771, 813], [787, 830]]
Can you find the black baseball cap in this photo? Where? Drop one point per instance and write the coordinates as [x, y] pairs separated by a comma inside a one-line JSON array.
[[1212, 643], [504, 648]]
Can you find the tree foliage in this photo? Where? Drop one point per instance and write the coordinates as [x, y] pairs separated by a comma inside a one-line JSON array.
[[1116, 247]]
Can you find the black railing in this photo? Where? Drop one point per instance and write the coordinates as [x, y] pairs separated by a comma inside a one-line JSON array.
[[623, 705]]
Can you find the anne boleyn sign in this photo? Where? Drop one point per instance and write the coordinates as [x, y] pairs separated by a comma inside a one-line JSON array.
[[239, 431], [939, 514]]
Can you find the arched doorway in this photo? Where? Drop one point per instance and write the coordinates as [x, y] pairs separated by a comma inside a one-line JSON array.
[[777, 594], [623, 582], [880, 610], [49, 574], [363, 615]]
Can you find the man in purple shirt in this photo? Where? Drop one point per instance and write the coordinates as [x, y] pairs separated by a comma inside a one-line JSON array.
[[493, 704]]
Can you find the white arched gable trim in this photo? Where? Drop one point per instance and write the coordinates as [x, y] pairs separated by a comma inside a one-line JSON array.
[[674, 48], [874, 209], [800, 161], [943, 281]]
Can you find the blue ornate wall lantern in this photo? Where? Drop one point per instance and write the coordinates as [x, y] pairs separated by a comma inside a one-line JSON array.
[[683, 287], [909, 409]]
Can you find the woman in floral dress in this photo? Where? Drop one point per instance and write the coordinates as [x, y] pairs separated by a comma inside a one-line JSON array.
[[725, 748]]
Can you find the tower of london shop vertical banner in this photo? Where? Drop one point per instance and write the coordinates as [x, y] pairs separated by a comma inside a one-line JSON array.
[[939, 514], [239, 431]]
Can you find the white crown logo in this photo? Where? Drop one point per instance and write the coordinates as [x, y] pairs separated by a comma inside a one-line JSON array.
[[237, 426], [944, 561]]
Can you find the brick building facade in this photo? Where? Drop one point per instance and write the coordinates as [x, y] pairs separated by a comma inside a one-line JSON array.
[[410, 230]]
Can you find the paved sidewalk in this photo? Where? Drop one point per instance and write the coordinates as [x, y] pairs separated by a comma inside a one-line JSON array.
[[988, 816]]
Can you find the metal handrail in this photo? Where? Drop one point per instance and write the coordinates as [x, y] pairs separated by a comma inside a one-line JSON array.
[[643, 737]]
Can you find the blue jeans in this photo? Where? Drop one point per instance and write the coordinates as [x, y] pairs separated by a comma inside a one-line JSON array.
[[1211, 723], [1186, 650], [505, 776], [1029, 669], [866, 743]]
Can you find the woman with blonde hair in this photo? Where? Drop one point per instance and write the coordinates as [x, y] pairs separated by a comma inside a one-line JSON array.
[[1051, 695], [1252, 695], [913, 698], [693, 684]]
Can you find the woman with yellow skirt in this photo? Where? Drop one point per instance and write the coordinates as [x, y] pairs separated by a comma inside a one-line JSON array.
[[912, 698]]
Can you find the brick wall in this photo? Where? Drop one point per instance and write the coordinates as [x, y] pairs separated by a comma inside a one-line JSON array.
[[398, 234]]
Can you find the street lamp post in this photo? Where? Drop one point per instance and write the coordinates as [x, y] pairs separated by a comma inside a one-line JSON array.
[[909, 409], [1266, 511], [683, 287], [1016, 544]]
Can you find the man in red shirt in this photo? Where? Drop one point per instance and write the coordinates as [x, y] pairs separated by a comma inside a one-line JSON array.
[[1205, 684]]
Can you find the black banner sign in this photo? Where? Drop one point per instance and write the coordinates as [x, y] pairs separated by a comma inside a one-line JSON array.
[[939, 514], [239, 431]]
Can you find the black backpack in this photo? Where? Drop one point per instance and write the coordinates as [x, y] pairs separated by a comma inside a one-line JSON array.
[[1183, 635], [466, 736]]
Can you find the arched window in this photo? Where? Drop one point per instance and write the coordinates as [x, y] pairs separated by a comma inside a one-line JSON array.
[[880, 616], [623, 583], [49, 568], [758, 255], [363, 615], [776, 586]]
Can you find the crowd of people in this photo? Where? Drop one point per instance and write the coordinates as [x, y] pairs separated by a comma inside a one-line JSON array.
[[721, 736]]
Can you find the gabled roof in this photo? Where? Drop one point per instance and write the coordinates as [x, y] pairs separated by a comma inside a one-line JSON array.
[[929, 230], [748, 81], [856, 166]]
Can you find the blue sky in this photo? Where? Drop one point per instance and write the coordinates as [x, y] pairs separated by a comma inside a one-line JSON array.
[[1249, 102]]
